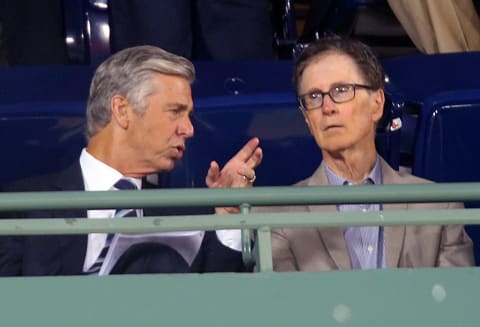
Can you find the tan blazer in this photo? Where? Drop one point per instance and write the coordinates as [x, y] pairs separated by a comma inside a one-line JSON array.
[[320, 249]]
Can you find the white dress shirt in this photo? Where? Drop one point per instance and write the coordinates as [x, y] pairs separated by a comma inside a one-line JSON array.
[[98, 176]]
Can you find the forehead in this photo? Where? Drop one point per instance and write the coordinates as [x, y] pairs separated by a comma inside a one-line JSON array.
[[328, 69], [170, 90], [171, 84]]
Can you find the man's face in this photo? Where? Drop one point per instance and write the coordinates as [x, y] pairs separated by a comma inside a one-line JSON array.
[[157, 137], [337, 127]]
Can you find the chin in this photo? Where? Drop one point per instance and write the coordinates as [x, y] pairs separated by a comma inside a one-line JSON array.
[[167, 165], [334, 148]]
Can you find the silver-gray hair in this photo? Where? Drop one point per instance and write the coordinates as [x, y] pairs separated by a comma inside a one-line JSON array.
[[129, 73]]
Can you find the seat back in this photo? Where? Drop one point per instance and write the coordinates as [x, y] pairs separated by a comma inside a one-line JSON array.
[[447, 143], [412, 79], [418, 76], [235, 101], [223, 126], [42, 112]]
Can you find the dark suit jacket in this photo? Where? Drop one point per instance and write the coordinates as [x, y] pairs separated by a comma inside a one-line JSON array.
[[65, 254]]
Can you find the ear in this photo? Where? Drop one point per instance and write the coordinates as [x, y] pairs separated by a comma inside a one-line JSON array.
[[379, 103], [119, 106]]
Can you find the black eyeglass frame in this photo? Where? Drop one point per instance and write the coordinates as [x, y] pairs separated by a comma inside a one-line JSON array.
[[354, 86]]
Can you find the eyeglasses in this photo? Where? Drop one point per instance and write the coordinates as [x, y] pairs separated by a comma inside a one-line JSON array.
[[338, 93]]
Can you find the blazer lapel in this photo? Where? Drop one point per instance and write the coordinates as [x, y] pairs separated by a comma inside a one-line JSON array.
[[75, 246], [394, 235], [332, 237], [334, 241]]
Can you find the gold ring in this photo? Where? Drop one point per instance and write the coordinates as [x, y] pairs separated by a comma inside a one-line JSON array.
[[250, 180]]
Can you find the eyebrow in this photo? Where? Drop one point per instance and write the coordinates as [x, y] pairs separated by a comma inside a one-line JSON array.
[[181, 106], [335, 84]]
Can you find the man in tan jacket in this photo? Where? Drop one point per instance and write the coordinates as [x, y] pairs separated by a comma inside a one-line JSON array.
[[340, 91]]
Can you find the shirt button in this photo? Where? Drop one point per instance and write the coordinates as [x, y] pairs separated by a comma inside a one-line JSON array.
[[370, 249]]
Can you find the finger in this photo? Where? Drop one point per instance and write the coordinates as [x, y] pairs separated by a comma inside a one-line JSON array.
[[226, 210], [213, 174], [248, 150], [256, 158]]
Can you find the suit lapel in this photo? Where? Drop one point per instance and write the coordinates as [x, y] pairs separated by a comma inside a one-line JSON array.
[[333, 238], [75, 246], [334, 241], [69, 179], [394, 235]]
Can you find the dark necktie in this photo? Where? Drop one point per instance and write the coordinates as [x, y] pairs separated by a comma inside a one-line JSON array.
[[125, 185], [121, 185]]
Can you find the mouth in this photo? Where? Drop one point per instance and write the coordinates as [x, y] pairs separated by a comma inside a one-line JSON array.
[[332, 127], [179, 150]]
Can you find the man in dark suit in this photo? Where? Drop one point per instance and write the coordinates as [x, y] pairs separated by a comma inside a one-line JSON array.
[[138, 120]]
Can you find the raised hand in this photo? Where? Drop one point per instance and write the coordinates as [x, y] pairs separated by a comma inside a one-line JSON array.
[[239, 171]]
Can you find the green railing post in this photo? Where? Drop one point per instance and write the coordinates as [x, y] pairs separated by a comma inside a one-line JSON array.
[[263, 247], [248, 258], [423, 297]]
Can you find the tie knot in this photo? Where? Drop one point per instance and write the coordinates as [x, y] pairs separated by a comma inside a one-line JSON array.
[[125, 184]]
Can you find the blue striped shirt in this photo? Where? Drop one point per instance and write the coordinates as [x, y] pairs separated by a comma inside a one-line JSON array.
[[365, 244]]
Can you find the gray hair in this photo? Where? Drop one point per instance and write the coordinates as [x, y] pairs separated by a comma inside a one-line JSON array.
[[366, 61], [129, 73]]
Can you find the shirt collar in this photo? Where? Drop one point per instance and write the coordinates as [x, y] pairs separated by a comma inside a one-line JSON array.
[[98, 176], [375, 176]]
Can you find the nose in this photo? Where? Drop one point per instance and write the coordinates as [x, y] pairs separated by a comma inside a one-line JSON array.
[[328, 106], [185, 127]]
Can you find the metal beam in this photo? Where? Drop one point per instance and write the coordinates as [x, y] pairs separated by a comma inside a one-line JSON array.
[[234, 197]]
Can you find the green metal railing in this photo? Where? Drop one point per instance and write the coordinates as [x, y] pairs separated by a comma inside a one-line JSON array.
[[244, 199], [387, 297]]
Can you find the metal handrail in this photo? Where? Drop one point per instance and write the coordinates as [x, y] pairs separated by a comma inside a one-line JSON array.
[[244, 198], [287, 195]]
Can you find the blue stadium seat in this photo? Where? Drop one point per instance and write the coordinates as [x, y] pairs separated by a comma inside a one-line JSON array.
[[42, 113], [447, 140], [447, 143], [223, 125], [42, 121], [412, 79], [418, 76], [442, 105]]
